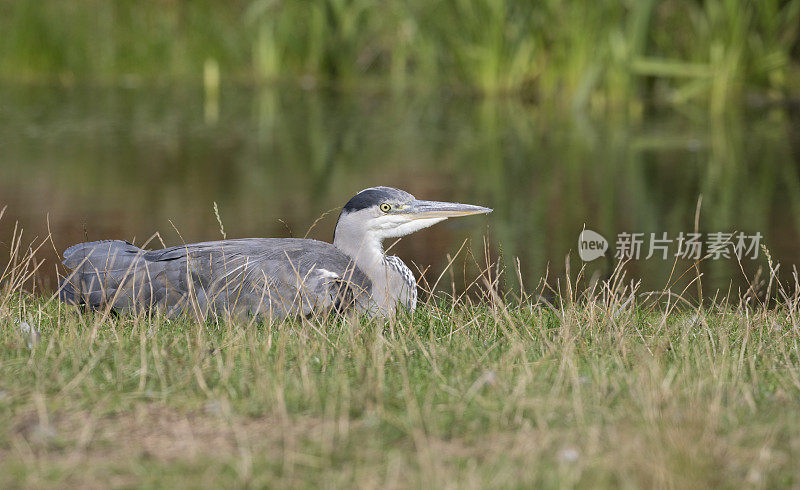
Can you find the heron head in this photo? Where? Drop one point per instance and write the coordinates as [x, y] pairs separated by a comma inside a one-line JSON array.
[[384, 212]]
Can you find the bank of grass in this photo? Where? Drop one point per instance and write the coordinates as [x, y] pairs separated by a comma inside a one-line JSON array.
[[603, 53], [605, 387]]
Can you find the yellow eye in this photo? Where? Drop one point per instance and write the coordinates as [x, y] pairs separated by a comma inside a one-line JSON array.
[[385, 207]]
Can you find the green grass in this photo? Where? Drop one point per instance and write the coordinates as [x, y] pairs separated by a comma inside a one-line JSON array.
[[603, 54], [606, 389]]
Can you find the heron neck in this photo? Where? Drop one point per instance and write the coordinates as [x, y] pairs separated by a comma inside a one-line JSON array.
[[368, 255]]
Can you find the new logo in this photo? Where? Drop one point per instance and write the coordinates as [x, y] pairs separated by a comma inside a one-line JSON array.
[[591, 245]]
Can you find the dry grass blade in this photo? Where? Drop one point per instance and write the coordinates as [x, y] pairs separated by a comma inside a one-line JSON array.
[[606, 383]]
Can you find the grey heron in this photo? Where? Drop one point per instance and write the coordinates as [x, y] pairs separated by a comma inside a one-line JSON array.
[[265, 277]]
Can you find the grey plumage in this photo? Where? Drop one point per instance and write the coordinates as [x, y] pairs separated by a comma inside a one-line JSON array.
[[274, 277], [263, 277]]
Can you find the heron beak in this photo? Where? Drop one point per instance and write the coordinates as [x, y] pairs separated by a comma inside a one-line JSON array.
[[435, 209]]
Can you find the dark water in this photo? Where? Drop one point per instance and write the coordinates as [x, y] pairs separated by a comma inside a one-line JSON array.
[[122, 163]]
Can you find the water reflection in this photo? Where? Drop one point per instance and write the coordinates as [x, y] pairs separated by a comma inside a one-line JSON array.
[[123, 163]]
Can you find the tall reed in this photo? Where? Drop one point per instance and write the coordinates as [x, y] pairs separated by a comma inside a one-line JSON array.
[[600, 54]]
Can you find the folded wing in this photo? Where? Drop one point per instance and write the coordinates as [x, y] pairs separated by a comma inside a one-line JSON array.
[[264, 277]]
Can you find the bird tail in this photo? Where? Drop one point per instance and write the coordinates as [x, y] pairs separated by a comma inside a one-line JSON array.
[[108, 272]]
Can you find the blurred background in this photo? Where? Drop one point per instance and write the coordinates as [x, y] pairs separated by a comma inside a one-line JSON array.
[[125, 118]]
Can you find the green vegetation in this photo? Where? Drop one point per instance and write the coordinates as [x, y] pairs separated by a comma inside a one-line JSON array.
[[605, 387], [605, 53], [593, 384]]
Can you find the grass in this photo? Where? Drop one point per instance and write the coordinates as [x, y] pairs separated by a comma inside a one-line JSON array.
[[605, 54], [604, 387]]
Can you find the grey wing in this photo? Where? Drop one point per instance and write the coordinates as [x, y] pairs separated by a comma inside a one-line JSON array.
[[105, 273], [271, 278]]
